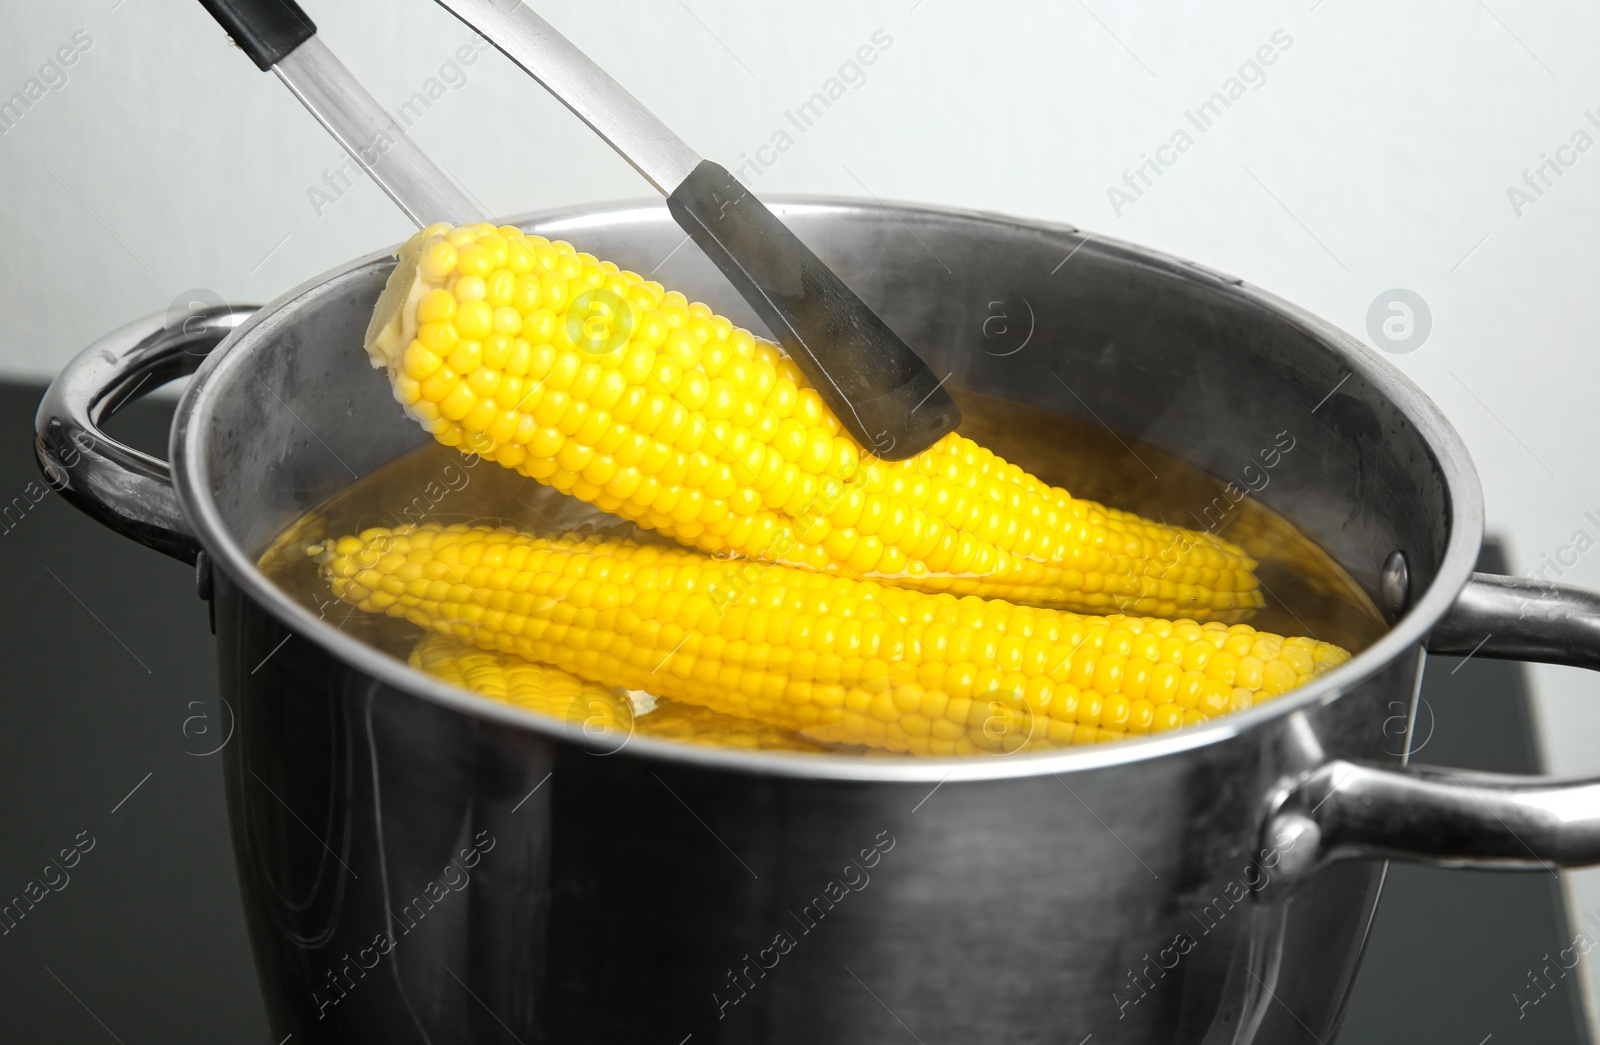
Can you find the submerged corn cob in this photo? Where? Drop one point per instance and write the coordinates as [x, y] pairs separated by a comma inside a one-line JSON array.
[[693, 724], [600, 711], [839, 659], [603, 385]]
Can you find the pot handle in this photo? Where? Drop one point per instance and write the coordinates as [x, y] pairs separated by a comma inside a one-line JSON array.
[[1449, 817], [126, 489]]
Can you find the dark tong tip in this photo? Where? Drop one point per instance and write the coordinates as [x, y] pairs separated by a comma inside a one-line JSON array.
[[879, 388]]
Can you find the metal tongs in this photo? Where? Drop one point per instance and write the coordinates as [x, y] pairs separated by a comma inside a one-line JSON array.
[[881, 390]]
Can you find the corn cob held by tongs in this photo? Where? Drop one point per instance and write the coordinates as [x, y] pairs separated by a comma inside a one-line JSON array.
[[602, 384]]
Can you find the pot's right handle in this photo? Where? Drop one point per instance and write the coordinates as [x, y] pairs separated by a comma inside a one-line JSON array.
[[1516, 618], [1342, 810], [126, 489]]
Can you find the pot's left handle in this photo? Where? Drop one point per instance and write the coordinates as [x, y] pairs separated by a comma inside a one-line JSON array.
[[126, 489]]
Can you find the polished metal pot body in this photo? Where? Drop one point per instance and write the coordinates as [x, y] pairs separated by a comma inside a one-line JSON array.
[[419, 866]]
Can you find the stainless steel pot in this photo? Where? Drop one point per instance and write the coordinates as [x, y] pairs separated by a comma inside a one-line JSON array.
[[420, 866]]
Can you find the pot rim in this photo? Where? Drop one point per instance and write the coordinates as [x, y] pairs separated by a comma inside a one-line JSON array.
[[194, 483]]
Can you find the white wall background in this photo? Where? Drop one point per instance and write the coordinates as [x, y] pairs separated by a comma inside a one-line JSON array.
[[1376, 155]]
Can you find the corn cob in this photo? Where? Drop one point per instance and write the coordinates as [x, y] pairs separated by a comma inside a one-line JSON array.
[[600, 383], [838, 659], [693, 724], [600, 711]]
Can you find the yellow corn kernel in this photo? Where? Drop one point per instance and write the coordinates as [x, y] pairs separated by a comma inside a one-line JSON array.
[[779, 480], [832, 657]]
